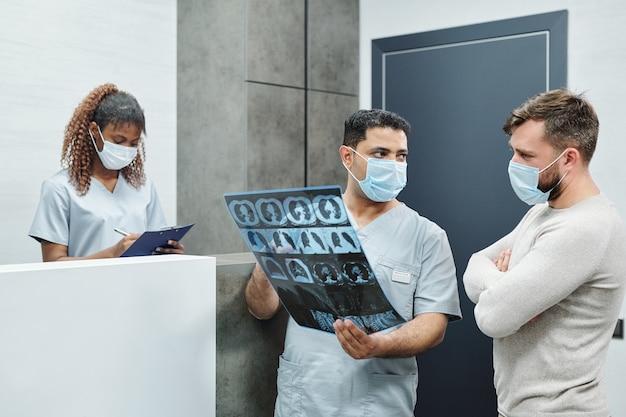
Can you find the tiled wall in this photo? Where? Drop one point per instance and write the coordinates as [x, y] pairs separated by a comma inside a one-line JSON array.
[[247, 348], [263, 89]]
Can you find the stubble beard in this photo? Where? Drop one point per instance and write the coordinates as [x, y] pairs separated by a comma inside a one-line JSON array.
[[552, 182]]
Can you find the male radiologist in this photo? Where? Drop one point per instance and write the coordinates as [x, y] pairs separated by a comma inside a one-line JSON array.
[[351, 373]]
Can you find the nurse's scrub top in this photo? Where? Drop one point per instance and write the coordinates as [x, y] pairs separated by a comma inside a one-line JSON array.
[[85, 224]]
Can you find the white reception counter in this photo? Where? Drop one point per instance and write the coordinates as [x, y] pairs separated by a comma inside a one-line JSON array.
[[121, 337]]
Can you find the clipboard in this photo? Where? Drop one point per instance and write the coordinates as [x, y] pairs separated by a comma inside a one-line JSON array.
[[150, 240]]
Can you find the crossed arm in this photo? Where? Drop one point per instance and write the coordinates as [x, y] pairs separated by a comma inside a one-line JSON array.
[[508, 298]]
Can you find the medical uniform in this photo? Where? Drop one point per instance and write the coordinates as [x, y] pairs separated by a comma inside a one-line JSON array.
[[317, 378], [85, 224]]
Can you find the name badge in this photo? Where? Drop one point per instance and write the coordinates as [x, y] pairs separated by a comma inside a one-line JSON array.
[[401, 276]]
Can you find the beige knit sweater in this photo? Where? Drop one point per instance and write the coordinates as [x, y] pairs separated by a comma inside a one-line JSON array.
[[552, 314]]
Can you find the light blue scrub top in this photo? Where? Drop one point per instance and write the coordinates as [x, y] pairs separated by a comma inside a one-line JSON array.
[[85, 224], [317, 378]]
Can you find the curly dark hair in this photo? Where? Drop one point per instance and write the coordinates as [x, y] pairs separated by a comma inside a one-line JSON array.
[[104, 105], [355, 126]]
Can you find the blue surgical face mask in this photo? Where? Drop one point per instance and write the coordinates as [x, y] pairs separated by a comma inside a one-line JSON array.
[[525, 180], [384, 178], [112, 155]]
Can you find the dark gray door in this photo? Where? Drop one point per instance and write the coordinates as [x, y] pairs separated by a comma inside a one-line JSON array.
[[456, 87]]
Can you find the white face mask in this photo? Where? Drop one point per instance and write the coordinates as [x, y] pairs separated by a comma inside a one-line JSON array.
[[384, 179], [112, 155], [525, 182]]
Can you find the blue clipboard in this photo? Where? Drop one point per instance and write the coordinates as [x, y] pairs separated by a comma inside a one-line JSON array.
[[150, 240]]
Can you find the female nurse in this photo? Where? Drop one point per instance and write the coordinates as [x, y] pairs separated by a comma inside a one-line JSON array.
[[101, 186]]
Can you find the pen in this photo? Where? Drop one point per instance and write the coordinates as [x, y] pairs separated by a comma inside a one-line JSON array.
[[121, 232]]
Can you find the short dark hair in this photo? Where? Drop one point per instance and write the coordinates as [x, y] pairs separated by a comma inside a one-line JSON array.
[[355, 126], [570, 120]]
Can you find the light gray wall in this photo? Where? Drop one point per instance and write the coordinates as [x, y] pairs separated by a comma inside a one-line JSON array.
[[52, 54], [263, 89], [597, 63]]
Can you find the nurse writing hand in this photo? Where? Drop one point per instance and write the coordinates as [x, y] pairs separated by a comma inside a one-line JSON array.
[[173, 246]]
